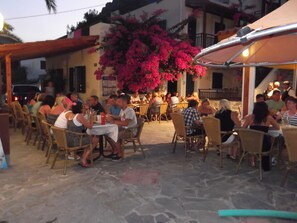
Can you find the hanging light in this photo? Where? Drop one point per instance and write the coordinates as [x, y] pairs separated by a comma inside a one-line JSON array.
[[1, 22], [246, 53]]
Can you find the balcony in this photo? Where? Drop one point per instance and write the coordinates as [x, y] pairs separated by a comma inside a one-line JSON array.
[[218, 94], [204, 39]]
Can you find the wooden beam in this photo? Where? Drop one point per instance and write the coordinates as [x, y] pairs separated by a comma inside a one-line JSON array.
[[1, 84], [246, 82], [8, 78]]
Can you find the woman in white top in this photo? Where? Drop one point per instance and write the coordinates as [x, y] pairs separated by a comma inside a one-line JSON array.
[[78, 123], [291, 113], [61, 121]]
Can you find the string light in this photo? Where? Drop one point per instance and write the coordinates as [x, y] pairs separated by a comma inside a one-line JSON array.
[[46, 14]]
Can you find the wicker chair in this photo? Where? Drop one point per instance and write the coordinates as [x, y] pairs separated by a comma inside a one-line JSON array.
[[25, 109], [212, 127], [17, 114], [181, 133], [60, 136], [182, 105], [252, 143], [31, 128], [290, 134], [143, 109], [132, 135], [162, 112], [49, 139], [39, 135]]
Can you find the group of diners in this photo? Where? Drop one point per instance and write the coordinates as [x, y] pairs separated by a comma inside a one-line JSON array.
[[155, 99], [71, 113], [263, 118]]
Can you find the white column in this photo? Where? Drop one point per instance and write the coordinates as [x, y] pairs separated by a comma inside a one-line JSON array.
[[181, 85], [248, 94]]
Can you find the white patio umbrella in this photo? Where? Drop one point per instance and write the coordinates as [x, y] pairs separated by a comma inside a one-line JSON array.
[[271, 40]]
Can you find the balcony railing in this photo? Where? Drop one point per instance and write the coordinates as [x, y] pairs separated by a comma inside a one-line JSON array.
[[204, 39], [218, 94]]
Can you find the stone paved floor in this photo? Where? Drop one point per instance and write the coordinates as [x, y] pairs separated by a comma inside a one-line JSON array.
[[161, 188]]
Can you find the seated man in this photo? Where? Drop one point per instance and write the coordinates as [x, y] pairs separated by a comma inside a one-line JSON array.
[[95, 104], [276, 105], [191, 117], [127, 118], [114, 109]]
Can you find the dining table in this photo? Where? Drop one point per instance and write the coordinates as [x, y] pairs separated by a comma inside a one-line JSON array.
[[109, 130]]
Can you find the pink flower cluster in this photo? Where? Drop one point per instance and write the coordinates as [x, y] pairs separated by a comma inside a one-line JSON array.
[[143, 55]]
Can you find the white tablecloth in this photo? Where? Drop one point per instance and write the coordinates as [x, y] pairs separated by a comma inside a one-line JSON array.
[[111, 130]]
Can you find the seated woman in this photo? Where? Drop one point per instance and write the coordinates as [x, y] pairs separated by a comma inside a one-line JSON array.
[[229, 119], [56, 110], [205, 108], [154, 105], [78, 123], [291, 114], [261, 120], [46, 105], [30, 101]]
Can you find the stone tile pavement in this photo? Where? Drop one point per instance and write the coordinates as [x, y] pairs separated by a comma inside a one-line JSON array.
[[164, 187]]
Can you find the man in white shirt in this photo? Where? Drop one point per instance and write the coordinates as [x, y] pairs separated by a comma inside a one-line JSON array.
[[126, 119]]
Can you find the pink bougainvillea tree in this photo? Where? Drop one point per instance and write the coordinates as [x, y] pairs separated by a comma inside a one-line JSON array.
[[142, 54]]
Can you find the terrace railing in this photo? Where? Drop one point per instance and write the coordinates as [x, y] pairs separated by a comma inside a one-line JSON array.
[[218, 94]]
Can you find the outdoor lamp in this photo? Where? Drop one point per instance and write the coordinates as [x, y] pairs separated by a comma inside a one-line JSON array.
[[246, 53], [1, 22]]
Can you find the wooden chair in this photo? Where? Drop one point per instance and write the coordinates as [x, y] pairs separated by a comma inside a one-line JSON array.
[[17, 114], [181, 133], [132, 135], [290, 134], [162, 112], [182, 105], [42, 117], [60, 136], [39, 132], [31, 128], [25, 109], [49, 139], [212, 127], [252, 143], [143, 109]]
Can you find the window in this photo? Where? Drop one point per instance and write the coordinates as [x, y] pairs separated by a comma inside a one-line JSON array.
[[217, 80]]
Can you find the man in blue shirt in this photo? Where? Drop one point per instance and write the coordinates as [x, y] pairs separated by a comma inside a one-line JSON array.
[[114, 108]]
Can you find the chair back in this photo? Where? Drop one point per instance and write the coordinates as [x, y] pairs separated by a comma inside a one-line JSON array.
[[182, 105], [251, 140], [19, 110], [42, 116], [290, 135], [28, 119], [163, 108], [14, 109], [140, 124], [212, 127], [25, 109], [60, 137], [37, 123], [143, 109], [47, 130], [179, 124]]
